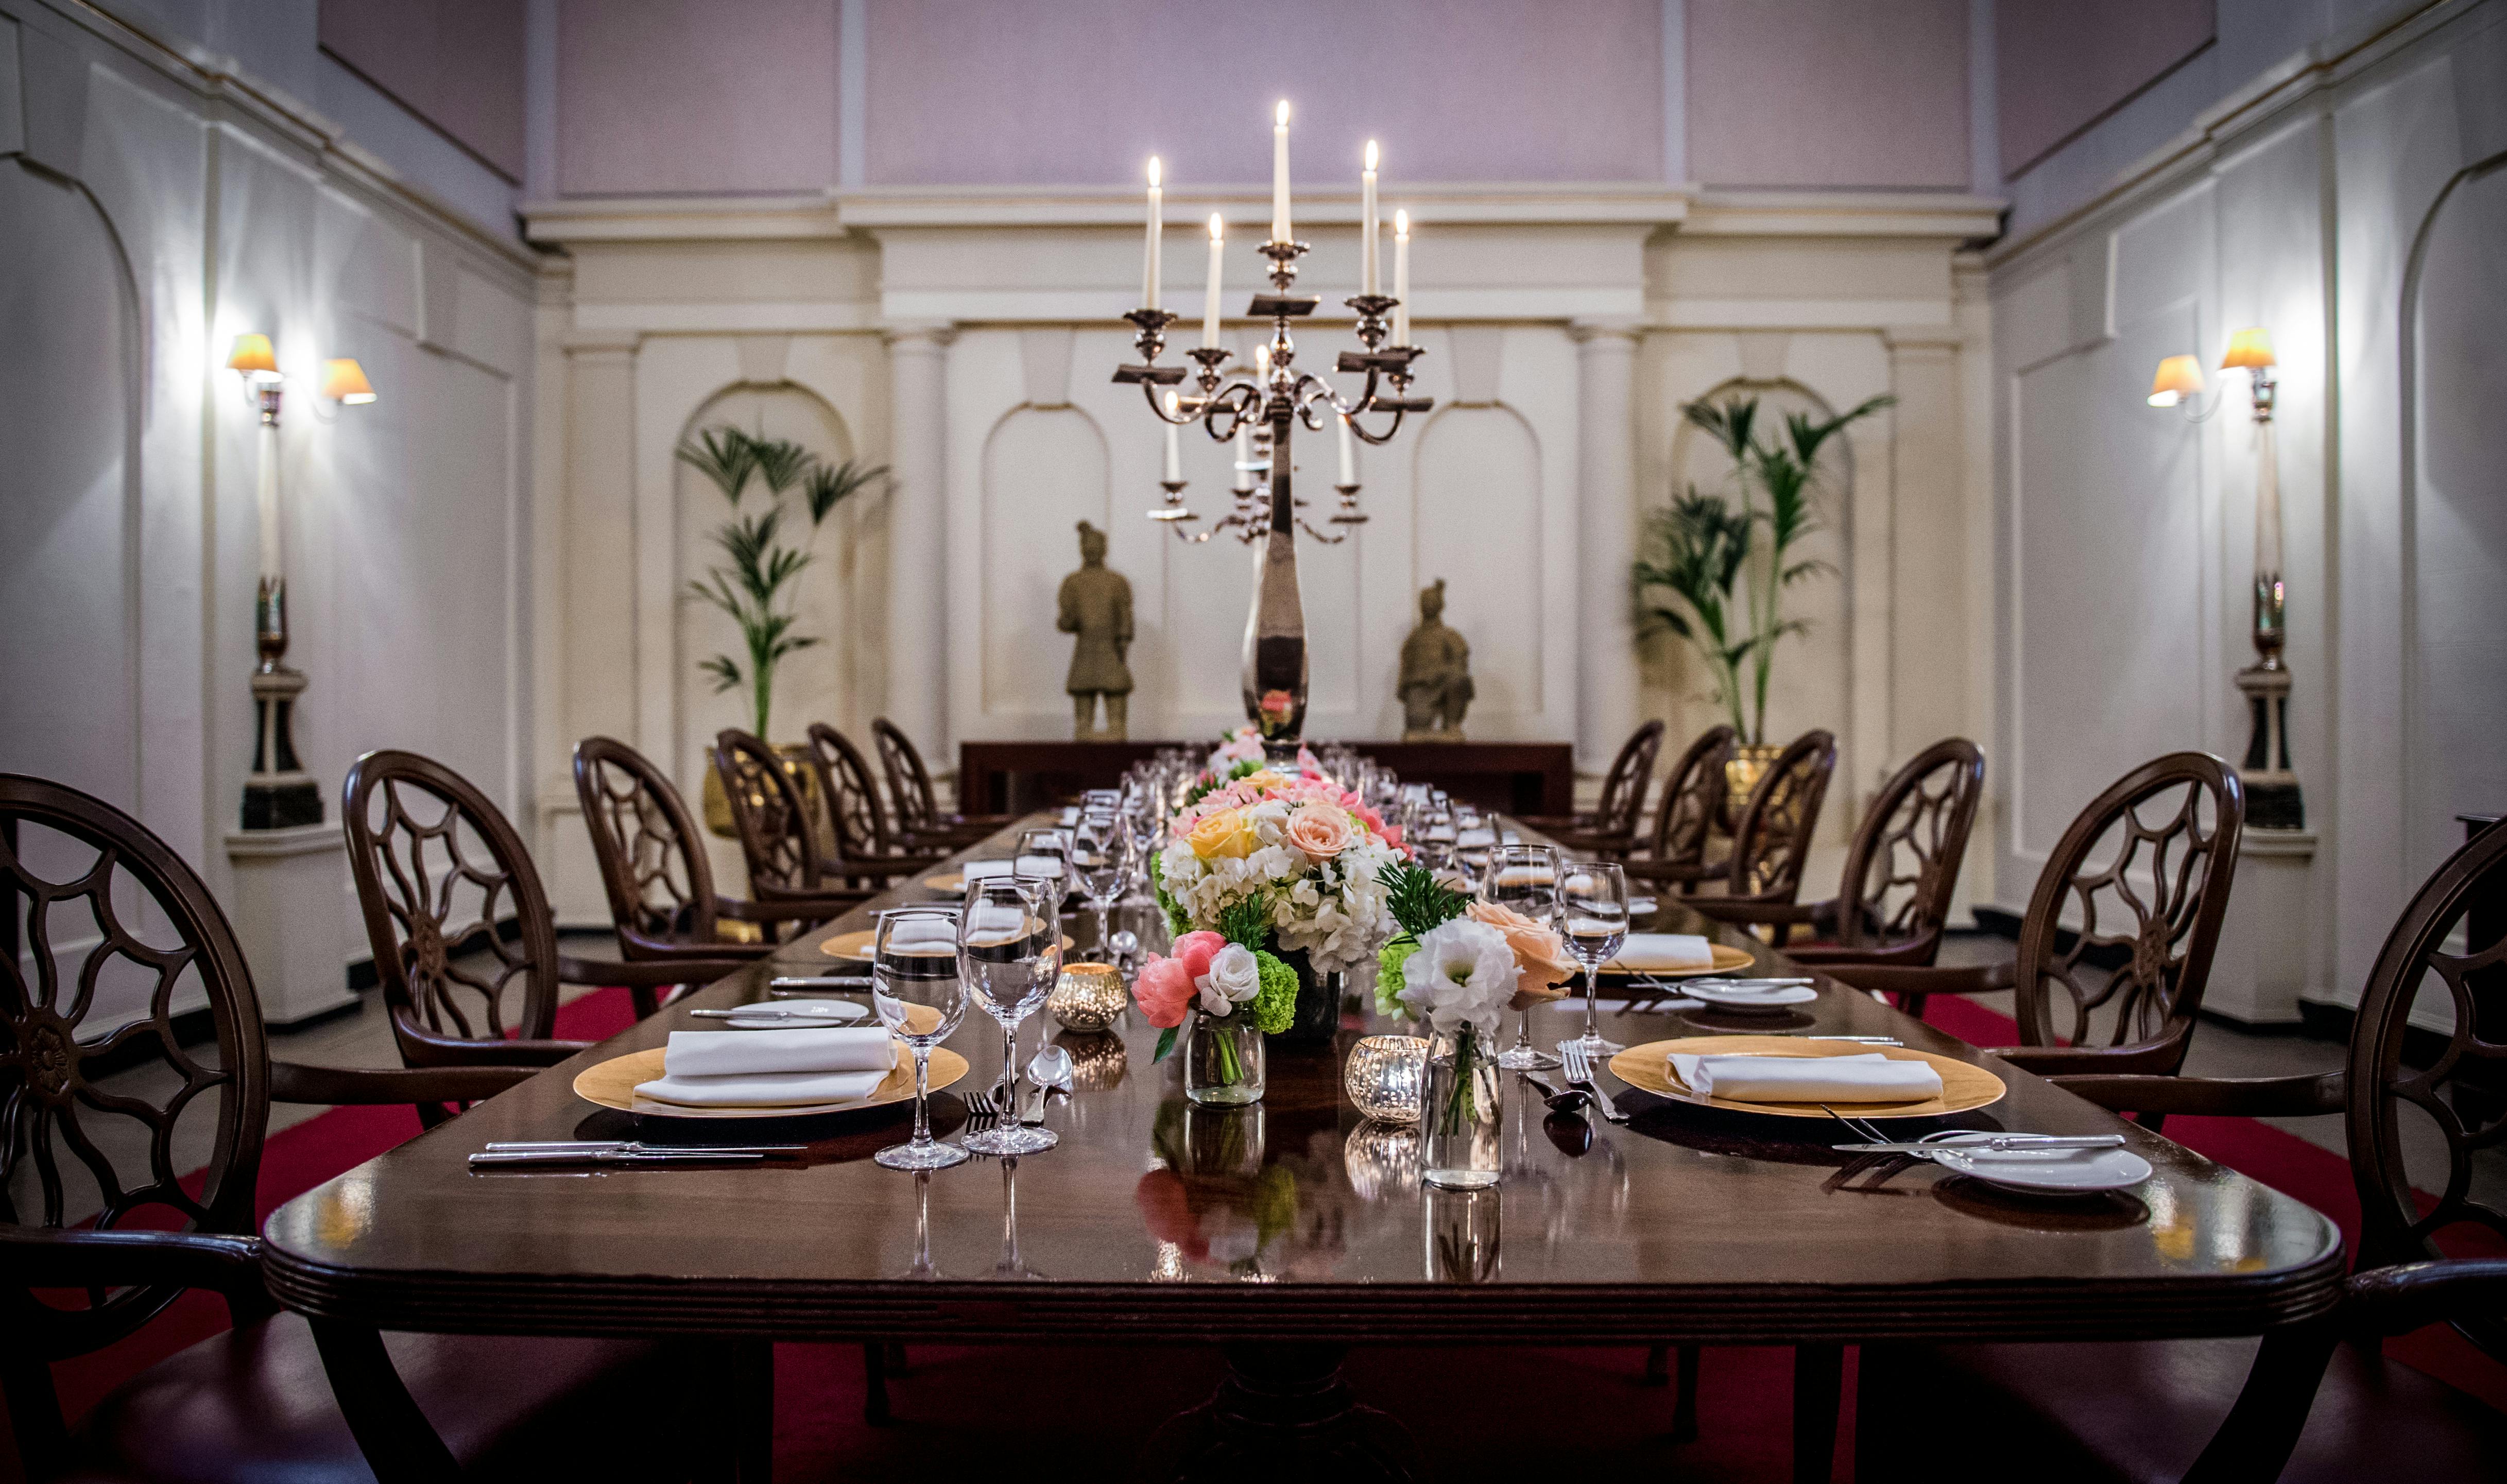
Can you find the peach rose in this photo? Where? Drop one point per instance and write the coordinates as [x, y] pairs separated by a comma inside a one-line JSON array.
[[1542, 965], [1163, 990], [1320, 830], [1221, 834]]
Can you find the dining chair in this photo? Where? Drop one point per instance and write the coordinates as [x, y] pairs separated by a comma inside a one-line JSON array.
[[106, 913], [2314, 1402], [1894, 896], [1771, 837], [2124, 918], [459, 925], [787, 872], [920, 824], [1610, 831], [654, 867], [867, 854], [1684, 821]]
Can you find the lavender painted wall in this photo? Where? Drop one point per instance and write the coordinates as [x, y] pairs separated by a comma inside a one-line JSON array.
[[2060, 68], [455, 63], [696, 96], [1815, 93], [1083, 91]]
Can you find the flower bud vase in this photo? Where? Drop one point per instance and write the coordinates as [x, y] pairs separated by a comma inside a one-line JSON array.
[[1459, 1112], [1222, 1060]]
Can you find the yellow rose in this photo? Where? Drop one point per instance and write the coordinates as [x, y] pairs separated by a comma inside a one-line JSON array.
[[1221, 834]]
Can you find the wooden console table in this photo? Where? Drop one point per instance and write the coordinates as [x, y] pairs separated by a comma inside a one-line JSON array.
[[1515, 777]]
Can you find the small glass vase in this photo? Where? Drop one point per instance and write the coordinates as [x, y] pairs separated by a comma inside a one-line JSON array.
[[1460, 1112], [1222, 1060]]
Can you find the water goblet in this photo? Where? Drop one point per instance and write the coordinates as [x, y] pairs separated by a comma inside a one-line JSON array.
[[1593, 917], [1525, 878], [920, 996], [1009, 951], [1098, 859]]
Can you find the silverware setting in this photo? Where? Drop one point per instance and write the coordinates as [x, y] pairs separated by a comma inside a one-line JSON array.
[[624, 1151], [798, 984], [1934, 1143], [980, 1106], [1749, 984], [775, 1012], [1859, 1040], [1579, 1070]]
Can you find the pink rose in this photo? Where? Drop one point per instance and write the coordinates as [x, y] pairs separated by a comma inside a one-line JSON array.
[[1164, 990], [1541, 959], [1319, 830], [1195, 950]]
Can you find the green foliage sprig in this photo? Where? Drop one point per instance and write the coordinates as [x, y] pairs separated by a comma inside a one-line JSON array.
[[1417, 900]]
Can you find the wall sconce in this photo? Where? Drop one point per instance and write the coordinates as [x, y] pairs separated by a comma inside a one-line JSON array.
[[2272, 798], [344, 382]]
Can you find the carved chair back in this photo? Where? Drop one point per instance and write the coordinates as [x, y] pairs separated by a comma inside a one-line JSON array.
[[778, 835], [1623, 787], [859, 824], [2127, 910], [1692, 797], [106, 932], [2398, 1097], [653, 862], [909, 782], [1905, 858], [454, 909], [1771, 839]]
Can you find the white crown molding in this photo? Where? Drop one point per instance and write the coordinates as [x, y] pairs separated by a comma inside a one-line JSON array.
[[1953, 215]]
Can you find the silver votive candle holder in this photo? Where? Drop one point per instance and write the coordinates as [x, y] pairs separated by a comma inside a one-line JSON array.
[[1383, 1077], [1087, 997]]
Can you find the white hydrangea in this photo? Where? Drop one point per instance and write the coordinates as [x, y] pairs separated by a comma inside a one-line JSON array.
[[1463, 974]]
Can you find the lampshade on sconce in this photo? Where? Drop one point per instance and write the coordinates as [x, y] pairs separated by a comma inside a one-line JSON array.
[[2251, 349], [2179, 376], [253, 357], [344, 382]]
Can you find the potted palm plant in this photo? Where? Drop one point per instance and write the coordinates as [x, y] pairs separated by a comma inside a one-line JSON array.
[[1715, 575], [755, 583]]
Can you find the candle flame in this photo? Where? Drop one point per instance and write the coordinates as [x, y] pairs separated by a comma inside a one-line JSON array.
[[1282, 115], [1173, 404], [1401, 224], [1370, 154], [1153, 172], [1218, 228]]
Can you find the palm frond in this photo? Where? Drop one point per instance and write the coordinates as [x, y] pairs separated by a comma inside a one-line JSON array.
[[725, 671], [829, 486], [780, 463], [723, 454]]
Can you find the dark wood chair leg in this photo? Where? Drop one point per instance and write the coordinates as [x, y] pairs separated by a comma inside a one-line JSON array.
[[1874, 1463], [753, 1432], [1818, 1378], [896, 1360], [33, 1417], [646, 999], [1913, 1005], [875, 1383], [1657, 1371], [2152, 1121], [1683, 1405]]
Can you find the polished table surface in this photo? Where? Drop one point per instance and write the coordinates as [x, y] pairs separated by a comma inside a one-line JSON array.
[[1296, 1219]]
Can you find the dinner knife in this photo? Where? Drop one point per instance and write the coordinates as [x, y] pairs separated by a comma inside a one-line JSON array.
[[631, 1147], [784, 982], [500, 1158], [2002, 1143]]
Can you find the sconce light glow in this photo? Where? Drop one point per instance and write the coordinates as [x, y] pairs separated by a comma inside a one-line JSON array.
[[344, 382], [2250, 348], [2179, 376], [253, 357]]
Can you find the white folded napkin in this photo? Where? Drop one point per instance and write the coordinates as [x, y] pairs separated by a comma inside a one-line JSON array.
[[1000, 923], [1655, 953], [764, 1090], [726, 1053], [922, 934], [1070, 815], [978, 870], [1870, 1077], [1468, 839], [1048, 866]]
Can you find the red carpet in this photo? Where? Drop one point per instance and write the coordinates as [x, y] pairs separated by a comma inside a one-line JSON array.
[[973, 1407]]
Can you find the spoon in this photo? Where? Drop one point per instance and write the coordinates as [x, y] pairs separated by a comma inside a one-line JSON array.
[[1051, 1068]]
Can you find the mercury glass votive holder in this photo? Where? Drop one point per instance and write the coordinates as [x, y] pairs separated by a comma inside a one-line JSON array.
[[1381, 1158], [1087, 997], [1383, 1077]]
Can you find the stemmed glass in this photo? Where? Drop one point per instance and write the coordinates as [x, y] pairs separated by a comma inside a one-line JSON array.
[[920, 997], [1097, 864], [1525, 878], [1593, 917], [1036, 848], [1009, 949]]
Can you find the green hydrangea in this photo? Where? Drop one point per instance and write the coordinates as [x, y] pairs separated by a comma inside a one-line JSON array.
[[1389, 961], [1275, 1005]]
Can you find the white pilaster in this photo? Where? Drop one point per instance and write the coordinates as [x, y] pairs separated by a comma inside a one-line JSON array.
[[1606, 657], [918, 592], [287, 917]]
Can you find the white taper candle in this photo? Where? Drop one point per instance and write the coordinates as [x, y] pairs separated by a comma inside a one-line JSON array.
[[1401, 277], [1210, 297], [1370, 278], [1348, 452], [1244, 456], [1175, 451], [1157, 230], [1280, 175]]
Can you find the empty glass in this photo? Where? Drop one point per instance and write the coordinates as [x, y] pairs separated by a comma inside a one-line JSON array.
[[1009, 951], [1098, 852], [920, 997], [1593, 917], [1044, 855], [1525, 878]]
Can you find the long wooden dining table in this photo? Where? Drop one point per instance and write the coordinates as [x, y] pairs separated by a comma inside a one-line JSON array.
[[1154, 1221]]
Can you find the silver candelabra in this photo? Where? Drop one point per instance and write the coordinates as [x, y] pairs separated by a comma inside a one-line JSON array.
[[1274, 400]]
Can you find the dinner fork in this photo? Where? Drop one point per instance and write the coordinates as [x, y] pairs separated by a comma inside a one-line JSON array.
[[1579, 1068], [980, 1108]]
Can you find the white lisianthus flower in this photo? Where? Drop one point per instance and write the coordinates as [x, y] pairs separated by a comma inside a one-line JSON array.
[[1464, 973], [1234, 978]]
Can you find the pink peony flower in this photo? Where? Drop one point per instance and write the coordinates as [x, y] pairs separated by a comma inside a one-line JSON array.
[[1321, 830], [1164, 990], [1195, 950]]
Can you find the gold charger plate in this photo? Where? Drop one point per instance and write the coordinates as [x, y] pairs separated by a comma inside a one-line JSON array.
[[613, 1083], [1727, 959], [1964, 1084], [947, 881], [856, 944]]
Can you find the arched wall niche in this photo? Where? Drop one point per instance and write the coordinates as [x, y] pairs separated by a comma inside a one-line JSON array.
[[1045, 469], [1480, 458]]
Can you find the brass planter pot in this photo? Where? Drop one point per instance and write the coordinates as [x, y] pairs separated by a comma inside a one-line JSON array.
[[796, 762], [1749, 763]]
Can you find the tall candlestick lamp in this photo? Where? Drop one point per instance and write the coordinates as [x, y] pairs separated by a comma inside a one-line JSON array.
[[1268, 404]]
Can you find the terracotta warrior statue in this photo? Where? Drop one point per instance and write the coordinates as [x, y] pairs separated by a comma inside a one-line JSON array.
[[1436, 674], [1097, 605]]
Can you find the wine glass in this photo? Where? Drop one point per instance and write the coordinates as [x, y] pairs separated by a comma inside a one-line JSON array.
[[1525, 878], [920, 997], [1593, 915], [1009, 951], [1097, 853]]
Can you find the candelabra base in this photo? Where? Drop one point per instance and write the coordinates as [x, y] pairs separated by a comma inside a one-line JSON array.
[[281, 801], [2273, 800]]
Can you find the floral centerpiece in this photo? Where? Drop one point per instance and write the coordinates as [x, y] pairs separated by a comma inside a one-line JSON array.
[[1239, 754], [1459, 965], [1259, 871]]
